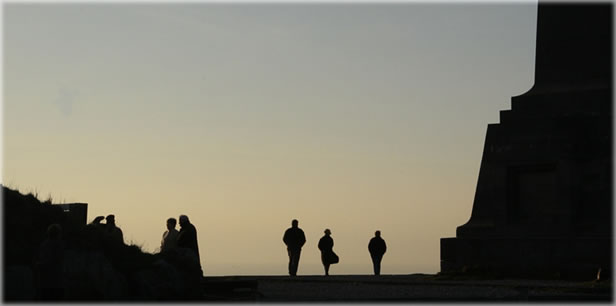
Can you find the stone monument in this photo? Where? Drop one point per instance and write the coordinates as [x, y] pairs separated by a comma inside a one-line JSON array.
[[543, 203]]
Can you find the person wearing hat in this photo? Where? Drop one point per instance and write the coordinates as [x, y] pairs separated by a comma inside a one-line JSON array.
[[326, 245]]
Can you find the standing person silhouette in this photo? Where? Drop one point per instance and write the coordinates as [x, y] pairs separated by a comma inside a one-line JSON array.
[[170, 236], [377, 248], [187, 238], [113, 230], [294, 238], [326, 245]]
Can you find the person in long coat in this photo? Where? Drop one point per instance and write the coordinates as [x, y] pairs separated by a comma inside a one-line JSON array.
[[377, 249], [187, 238], [295, 239], [326, 245]]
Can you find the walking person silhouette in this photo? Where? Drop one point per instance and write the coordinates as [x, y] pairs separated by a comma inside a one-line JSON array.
[[326, 245], [377, 248], [294, 238]]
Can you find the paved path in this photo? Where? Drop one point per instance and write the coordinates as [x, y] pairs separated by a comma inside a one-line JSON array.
[[415, 287]]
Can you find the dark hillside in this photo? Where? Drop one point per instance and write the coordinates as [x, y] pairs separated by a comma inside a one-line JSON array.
[[94, 267]]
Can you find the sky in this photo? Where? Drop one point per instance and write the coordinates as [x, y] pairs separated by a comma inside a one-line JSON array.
[[354, 117]]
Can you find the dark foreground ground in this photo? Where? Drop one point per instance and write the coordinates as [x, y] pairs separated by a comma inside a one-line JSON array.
[[397, 288]]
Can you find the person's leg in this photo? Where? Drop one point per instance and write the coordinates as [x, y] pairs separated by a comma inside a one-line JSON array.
[[326, 269], [294, 263], [377, 265], [290, 261]]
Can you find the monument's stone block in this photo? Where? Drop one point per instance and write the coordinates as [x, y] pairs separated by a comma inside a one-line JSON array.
[[543, 203]]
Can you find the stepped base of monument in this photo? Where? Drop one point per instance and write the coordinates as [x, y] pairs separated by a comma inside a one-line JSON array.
[[568, 258]]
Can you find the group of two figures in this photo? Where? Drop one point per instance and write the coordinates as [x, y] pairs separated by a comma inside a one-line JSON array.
[[185, 238], [111, 230], [295, 239]]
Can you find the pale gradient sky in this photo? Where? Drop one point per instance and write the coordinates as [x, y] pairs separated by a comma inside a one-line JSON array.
[[353, 117]]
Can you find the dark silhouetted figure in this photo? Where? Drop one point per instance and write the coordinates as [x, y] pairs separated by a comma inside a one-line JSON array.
[[114, 232], [170, 236], [377, 248], [326, 245], [294, 238], [97, 220], [187, 238], [51, 264]]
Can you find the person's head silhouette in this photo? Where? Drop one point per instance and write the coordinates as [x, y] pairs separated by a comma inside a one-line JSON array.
[[377, 234], [110, 220], [294, 223], [171, 222], [184, 220], [327, 232]]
